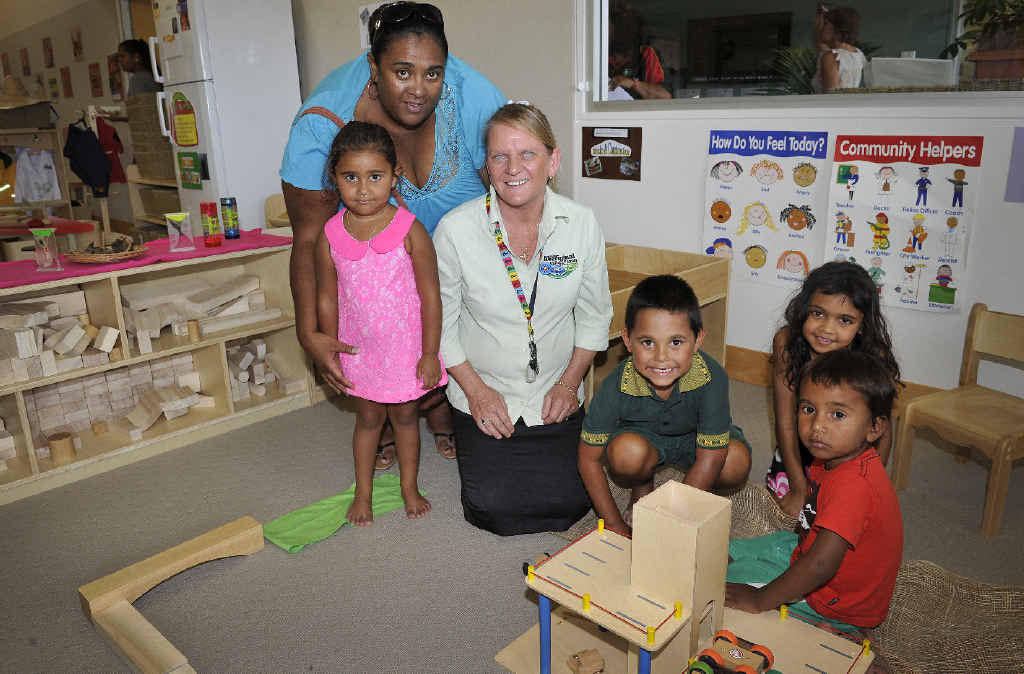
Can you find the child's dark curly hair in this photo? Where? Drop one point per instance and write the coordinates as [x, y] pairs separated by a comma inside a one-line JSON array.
[[838, 278], [356, 137]]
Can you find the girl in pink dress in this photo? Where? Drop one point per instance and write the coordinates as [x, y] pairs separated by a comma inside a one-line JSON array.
[[377, 283]]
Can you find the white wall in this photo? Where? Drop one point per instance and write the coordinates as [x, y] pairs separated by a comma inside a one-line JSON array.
[[523, 47], [665, 209], [98, 21]]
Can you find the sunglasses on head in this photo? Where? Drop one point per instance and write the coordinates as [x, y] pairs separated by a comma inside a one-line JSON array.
[[398, 12]]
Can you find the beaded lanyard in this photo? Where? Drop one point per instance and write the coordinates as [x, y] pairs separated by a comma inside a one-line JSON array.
[[513, 275]]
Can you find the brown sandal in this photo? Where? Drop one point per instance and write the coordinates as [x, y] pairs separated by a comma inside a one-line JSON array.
[[449, 451], [383, 462]]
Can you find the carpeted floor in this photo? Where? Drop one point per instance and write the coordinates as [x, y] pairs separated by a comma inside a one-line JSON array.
[[433, 595]]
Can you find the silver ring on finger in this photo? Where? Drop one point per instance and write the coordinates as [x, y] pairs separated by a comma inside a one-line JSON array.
[[483, 421]]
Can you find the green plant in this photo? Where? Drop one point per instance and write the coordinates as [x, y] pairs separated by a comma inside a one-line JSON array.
[[991, 24]]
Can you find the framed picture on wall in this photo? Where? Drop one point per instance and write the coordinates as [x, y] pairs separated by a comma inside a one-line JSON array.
[[26, 70], [47, 52], [5, 61], [114, 77], [76, 44], [95, 80], [65, 80]]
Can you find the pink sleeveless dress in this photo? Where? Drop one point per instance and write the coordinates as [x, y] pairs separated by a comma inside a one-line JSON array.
[[378, 311]]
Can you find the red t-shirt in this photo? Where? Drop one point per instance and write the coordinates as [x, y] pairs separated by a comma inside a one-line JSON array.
[[856, 501]]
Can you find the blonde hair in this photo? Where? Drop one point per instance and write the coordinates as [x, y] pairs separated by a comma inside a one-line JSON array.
[[523, 116], [745, 221]]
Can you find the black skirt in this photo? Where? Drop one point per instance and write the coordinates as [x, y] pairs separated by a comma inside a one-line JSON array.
[[524, 484]]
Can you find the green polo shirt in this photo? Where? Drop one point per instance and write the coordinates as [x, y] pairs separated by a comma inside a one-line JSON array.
[[696, 414]]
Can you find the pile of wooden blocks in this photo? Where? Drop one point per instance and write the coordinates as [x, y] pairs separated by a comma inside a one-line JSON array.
[[7, 449], [48, 334], [152, 306], [94, 401], [251, 370]]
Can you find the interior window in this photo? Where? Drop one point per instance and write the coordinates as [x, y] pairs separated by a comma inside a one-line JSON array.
[[712, 48]]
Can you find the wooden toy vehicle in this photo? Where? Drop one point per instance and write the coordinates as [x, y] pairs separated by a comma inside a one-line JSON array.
[[729, 653]]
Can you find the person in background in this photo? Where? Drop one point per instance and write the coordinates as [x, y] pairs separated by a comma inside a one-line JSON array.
[[434, 106], [840, 63], [134, 57], [524, 286], [633, 64]]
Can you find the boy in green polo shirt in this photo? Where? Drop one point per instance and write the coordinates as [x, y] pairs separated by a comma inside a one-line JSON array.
[[667, 403]]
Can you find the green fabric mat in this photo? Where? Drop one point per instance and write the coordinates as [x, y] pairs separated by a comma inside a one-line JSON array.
[[322, 519]]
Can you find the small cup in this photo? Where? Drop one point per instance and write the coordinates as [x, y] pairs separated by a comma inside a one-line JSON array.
[[47, 255], [179, 231]]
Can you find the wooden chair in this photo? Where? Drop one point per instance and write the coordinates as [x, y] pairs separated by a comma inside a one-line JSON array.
[[972, 415], [274, 210]]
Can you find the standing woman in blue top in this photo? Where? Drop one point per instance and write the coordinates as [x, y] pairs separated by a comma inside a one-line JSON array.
[[435, 107]]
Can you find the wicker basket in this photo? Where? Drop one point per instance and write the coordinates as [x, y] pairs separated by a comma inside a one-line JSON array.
[[106, 238]]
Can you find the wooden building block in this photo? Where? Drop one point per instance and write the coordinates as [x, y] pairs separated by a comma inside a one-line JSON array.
[[68, 363], [258, 348], [62, 323], [15, 315], [106, 338], [91, 330], [206, 401], [174, 414], [243, 360], [257, 300], [179, 328], [93, 358], [7, 448], [116, 354], [70, 339], [48, 362], [138, 641], [239, 305], [147, 411], [189, 381], [257, 389], [19, 368], [99, 428], [82, 344], [205, 300], [159, 291], [62, 448], [212, 325], [145, 343], [69, 302], [193, 331], [35, 367], [290, 386], [3, 425], [20, 343], [244, 536]]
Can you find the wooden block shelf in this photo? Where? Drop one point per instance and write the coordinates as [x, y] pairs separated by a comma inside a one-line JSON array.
[[29, 473]]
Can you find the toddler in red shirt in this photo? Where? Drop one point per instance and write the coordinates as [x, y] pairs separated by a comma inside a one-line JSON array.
[[847, 554]]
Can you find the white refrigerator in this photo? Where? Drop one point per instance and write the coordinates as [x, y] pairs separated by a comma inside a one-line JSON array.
[[231, 89]]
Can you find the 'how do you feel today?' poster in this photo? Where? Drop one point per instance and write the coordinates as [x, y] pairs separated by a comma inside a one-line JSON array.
[[761, 203]]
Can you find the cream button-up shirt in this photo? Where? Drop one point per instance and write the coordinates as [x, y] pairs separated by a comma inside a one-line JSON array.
[[483, 318]]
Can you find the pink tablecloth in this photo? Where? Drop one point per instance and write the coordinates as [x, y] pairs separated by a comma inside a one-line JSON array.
[[24, 272]]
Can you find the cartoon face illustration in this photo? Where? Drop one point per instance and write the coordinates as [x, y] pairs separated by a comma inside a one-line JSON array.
[[959, 174], [720, 210], [766, 172], [726, 171], [798, 217], [876, 262], [755, 256], [804, 174], [721, 247], [886, 179], [794, 262], [952, 223], [843, 222], [757, 214]]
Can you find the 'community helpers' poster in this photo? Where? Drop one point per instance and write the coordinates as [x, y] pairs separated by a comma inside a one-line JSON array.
[[762, 187], [902, 207]]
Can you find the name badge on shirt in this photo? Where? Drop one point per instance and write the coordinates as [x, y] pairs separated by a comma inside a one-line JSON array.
[[558, 266]]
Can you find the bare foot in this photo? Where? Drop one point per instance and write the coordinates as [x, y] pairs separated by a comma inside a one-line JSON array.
[[415, 505], [360, 513]]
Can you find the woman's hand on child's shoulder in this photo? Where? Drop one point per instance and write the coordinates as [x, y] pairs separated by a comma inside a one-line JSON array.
[[428, 370], [743, 597]]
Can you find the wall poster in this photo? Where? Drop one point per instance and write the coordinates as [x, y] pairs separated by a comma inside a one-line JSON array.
[[65, 81], [903, 207], [95, 80], [612, 153], [762, 188]]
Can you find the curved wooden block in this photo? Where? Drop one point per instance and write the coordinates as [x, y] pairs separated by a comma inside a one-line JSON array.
[[244, 536]]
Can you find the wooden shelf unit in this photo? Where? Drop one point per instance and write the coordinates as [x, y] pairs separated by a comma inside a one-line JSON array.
[[41, 139], [29, 474], [137, 182]]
